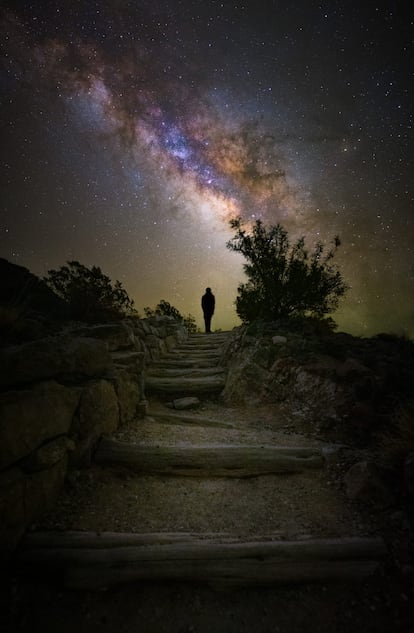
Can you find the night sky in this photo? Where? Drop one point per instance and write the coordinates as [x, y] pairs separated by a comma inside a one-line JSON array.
[[132, 131]]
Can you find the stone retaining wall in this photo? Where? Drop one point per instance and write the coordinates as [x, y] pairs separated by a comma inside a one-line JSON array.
[[58, 396]]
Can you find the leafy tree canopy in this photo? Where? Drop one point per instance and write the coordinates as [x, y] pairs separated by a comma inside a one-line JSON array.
[[89, 293], [285, 280], [164, 308]]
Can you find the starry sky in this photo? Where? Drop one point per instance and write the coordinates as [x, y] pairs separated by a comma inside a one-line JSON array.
[[133, 130]]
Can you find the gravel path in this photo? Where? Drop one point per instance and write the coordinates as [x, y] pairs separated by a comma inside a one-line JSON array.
[[292, 505]]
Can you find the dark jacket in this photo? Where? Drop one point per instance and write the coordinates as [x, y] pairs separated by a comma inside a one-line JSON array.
[[208, 303]]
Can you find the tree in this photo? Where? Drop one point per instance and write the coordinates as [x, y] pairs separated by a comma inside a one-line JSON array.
[[89, 294], [284, 279], [164, 308]]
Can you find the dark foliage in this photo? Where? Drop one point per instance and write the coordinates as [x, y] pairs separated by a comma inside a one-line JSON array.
[[89, 293], [29, 309], [164, 308], [22, 290], [284, 280]]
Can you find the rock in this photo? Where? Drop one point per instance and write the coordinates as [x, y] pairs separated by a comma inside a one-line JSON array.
[[49, 454], [170, 342], [24, 499], [82, 455], [400, 521], [142, 409], [31, 417], [186, 403], [129, 390], [152, 341], [409, 474], [279, 340], [351, 369], [98, 410], [12, 508], [51, 357], [364, 484], [135, 360], [145, 325], [116, 336], [42, 489]]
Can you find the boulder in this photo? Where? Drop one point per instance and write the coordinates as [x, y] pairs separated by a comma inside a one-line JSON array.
[[115, 335], [409, 474], [98, 410], [12, 508], [49, 454], [314, 389], [146, 327], [51, 357], [42, 489], [31, 417], [152, 341], [279, 340], [82, 454], [170, 342], [364, 484], [26, 498], [130, 391], [350, 369], [133, 360], [185, 403]]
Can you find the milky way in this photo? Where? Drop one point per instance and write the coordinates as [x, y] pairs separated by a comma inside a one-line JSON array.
[[134, 131]]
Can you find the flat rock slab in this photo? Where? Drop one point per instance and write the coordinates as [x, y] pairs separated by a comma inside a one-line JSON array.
[[190, 402], [208, 461], [96, 561]]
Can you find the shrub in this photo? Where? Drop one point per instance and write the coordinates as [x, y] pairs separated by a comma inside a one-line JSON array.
[[284, 279], [164, 308], [89, 294]]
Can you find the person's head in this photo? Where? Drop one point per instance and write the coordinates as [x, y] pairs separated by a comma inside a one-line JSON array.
[[208, 290]]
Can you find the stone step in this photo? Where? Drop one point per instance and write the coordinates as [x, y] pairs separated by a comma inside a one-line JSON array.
[[92, 561], [202, 384], [218, 460], [192, 349], [202, 343], [191, 354], [183, 362], [194, 372], [187, 419], [213, 336]]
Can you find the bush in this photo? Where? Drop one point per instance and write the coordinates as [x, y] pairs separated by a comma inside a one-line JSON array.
[[284, 280], [89, 294], [164, 308]]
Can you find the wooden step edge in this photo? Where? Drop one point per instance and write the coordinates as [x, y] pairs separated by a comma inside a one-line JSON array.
[[237, 461], [186, 419], [95, 561]]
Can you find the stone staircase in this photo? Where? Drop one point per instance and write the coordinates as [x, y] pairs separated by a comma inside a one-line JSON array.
[[192, 368], [202, 468]]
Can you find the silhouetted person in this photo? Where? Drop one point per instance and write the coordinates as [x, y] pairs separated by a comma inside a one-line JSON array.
[[208, 303]]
